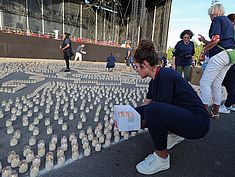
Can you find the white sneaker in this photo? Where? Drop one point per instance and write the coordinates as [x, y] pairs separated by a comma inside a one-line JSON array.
[[173, 139], [224, 109], [153, 164], [232, 108]]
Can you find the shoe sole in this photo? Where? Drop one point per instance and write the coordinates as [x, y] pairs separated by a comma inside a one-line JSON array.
[[155, 171]]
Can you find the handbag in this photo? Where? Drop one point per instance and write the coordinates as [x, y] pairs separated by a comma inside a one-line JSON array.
[[195, 76], [231, 54]]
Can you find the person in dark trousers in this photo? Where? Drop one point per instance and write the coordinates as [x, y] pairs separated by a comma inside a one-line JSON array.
[[171, 105], [110, 62], [79, 52], [229, 82], [183, 54], [221, 35], [67, 50], [128, 57]]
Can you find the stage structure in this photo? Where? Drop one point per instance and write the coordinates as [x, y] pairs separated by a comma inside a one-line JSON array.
[[95, 20]]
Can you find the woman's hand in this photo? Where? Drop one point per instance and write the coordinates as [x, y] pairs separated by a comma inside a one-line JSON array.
[[201, 38]]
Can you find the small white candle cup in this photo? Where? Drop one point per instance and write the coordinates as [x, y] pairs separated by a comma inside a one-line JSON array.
[[13, 141], [49, 161], [25, 121], [31, 126], [37, 161], [89, 130], [64, 146], [75, 154], [10, 156], [15, 161], [34, 171], [87, 151], [64, 126], [6, 171], [60, 152], [94, 142], [98, 147], [32, 140], [47, 122], [10, 130], [8, 123], [81, 134], [54, 139], [49, 130], [30, 156], [36, 131], [107, 142], [26, 149], [116, 138], [23, 166], [60, 120], [52, 146], [17, 134], [72, 136], [79, 126], [36, 121]]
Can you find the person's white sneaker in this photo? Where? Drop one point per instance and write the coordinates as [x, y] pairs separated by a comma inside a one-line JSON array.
[[173, 139], [153, 164], [224, 109], [232, 108]]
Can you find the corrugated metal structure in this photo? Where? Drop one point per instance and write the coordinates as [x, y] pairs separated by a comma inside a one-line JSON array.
[[95, 20]]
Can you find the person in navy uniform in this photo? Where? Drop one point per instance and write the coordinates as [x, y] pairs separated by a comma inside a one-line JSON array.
[[110, 62], [229, 82], [183, 54], [67, 50], [171, 105], [221, 35]]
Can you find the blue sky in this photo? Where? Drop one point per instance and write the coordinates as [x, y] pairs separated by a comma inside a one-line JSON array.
[[192, 14]]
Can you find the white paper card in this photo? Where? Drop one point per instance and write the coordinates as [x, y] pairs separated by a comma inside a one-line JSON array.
[[127, 118]]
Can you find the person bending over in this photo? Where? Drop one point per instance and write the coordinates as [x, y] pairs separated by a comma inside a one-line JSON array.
[[171, 105]]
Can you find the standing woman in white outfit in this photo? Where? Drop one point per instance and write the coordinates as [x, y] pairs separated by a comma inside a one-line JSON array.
[[221, 33]]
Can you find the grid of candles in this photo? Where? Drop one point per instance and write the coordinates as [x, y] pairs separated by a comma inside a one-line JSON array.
[[58, 104], [96, 139]]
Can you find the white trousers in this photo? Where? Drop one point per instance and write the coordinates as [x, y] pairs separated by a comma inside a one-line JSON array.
[[212, 78], [78, 55]]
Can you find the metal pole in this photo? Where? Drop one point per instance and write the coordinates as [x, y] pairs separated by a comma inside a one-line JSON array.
[[127, 28], [138, 36], [96, 25], [43, 30], [27, 16], [154, 19], [104, 27], [80, 21], [1, 21], [63, 16]]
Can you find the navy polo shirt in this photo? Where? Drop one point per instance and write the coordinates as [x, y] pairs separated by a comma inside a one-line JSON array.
[[170, 87], [67, 51], [223, 27], [183, 53], [110, 61]]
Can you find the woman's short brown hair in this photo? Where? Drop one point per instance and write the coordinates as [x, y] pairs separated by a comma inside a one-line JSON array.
[[146, 52]]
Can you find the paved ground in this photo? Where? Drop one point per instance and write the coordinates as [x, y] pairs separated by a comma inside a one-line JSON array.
[[211, 156]]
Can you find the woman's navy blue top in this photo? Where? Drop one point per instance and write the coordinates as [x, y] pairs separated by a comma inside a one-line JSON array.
[[183, 53], [223, 27], [171, 88]]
